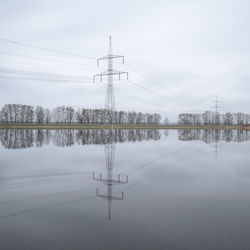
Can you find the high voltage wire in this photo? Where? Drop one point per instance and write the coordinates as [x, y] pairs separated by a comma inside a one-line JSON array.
[[142, 97], [150, 79], [24, 72], [42, 76], [44, 48], [62, 52], [3, 63], [129, 92], [152, 93], [146, 89], [138, 87], [143, 75], [41, 79], [46, 59]]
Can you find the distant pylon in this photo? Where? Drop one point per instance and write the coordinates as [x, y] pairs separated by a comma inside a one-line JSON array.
[[216, 110], [110, 97]]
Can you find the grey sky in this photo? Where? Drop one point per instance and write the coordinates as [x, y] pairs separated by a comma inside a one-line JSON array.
[[189, 50]]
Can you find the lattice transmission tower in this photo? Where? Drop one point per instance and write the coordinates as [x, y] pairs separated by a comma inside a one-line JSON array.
[[110, 97], [216, 107], [109, 119]]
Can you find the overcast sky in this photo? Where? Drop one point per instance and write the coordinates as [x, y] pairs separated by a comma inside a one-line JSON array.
[[185, 51]]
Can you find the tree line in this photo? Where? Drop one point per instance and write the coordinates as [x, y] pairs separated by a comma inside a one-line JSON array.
[[214, 118], [18, 113]]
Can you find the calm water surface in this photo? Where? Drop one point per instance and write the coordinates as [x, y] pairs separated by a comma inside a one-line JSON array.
[[143, 189]]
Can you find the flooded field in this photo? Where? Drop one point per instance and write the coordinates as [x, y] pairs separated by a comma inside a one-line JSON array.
[[124, 189]]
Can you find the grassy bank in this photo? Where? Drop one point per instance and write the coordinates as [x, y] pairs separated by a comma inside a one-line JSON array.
[[125, 126]]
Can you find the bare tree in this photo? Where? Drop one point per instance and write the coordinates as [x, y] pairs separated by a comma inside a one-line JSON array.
[[78, 116], [59, 114], [69, 114], [47, 116], [166, 121], [39, 114], [228, 119]]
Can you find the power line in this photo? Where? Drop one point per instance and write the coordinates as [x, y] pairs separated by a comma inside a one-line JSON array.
[[146, 89], [142, 88], [14, 71], [44, 48], [135, 87], [216, 111], [138, 87], [216, 105], [143, 75], [41, 79], [152, 80], [144, 98], [127, 92], [46, 59]]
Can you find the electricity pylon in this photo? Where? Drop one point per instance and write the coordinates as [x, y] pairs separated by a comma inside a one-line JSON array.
[[110, 97], [110, 148], [216, 110]]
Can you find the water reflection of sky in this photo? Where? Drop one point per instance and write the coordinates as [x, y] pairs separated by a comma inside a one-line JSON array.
[[178, 196]]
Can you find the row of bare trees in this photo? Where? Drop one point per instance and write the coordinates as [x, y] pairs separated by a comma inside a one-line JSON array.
[[88, 116], [211, 118], [18, 113]]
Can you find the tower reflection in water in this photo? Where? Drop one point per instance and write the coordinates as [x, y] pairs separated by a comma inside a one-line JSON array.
[[109, 179]]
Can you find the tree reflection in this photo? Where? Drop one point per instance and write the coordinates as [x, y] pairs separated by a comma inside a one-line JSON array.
[[14, 138], [213, 135], [24, 138]]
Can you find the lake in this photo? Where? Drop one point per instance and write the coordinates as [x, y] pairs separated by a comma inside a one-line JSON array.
[[124, 189]]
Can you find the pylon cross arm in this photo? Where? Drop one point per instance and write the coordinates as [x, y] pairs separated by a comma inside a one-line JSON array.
[[110, 72], [108, 197], [109, 57]]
